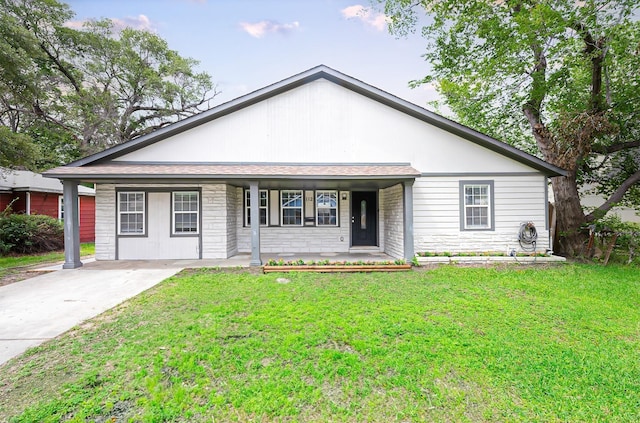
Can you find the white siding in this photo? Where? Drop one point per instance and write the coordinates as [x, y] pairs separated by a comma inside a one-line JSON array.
[[391, 202], [436, 211], [518, 199], [321, 122]]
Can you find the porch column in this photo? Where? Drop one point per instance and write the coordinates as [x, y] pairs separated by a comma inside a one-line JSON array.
[[408, 220], [71, 225], [254, 206]]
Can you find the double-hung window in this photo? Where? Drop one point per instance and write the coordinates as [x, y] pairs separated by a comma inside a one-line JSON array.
[[476, 205], [131, 210], [263, 204], [185, 212], [61, 208], [291, 207], [327, 208]]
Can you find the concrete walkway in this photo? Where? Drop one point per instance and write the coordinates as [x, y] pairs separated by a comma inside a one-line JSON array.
[[37, 309]]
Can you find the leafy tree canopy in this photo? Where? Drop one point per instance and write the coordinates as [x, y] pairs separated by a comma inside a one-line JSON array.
[[556, 78], [75, 92]]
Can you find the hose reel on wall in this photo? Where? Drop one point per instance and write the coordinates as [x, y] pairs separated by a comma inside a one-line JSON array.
[[528, 236]]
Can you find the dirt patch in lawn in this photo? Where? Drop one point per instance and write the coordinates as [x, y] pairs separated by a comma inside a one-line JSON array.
[[16, 275]]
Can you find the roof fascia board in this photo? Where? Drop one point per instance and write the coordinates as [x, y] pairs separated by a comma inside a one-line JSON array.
[[139, 176]]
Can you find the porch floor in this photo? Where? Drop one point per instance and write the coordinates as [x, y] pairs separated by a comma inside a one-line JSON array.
[[239, 260]]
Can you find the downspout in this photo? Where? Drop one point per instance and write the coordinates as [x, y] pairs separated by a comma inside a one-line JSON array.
[[27, 201]]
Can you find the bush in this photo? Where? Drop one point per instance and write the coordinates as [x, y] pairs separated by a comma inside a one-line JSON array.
[[627, 241], [27, 234]]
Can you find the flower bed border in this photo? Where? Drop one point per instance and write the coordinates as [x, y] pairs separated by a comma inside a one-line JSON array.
[[326, 266], [339, 268]]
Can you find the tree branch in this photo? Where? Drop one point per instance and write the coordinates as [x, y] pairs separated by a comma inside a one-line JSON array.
[[595, 50], [533, 106], [608, 149], [615, 197], [60, 67]]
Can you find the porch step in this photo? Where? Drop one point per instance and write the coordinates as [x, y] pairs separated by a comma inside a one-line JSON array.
[[364, 250]]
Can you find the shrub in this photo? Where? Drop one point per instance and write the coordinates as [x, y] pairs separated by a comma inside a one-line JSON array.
[[26, 234], [627, 241]]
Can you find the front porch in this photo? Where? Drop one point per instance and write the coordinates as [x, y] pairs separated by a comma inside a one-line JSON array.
[[240, 260], [296, 209]]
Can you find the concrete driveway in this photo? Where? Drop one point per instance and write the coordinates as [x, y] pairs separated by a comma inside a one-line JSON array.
[[37, 309]]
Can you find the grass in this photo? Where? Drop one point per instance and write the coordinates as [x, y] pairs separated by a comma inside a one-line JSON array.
[[451, 344], [9, 262]]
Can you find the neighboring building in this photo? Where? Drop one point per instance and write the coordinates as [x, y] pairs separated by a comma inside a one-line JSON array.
[[326, 163], [31, 193], [592, 201]]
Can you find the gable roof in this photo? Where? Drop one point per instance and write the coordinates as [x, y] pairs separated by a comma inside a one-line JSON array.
[[329, 74], [26, 181]]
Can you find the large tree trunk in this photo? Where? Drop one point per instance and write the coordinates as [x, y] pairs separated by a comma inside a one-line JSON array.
[[570, 218]]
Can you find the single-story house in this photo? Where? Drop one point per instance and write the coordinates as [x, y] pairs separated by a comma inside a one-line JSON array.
[[31, 193], [318, 162]]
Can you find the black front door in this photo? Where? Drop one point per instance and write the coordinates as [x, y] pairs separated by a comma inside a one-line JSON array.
[[364, 218]]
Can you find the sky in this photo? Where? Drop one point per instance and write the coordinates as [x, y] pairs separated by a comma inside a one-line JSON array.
[[246, 45]]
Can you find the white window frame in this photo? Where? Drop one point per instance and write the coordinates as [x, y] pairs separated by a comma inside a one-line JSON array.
[[320, 206], [283, 207], [477, 204], [247, 206], [141, 212], [61, 208], [175, 212]]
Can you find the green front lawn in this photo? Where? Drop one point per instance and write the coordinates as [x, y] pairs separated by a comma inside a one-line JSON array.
[[452, 344], [8, 262]]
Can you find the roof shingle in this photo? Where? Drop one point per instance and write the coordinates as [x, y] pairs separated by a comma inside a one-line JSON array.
[[235, 170]]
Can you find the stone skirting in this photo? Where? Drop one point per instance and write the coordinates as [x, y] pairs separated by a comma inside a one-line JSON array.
[[424, 261]]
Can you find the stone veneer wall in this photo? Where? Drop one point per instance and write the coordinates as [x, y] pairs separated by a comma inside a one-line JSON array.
[[215, 215], [105, 222], [391, 201], [232, 218], [298, 239]]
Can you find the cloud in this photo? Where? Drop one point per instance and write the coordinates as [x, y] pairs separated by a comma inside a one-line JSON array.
[[74, 24], [140, 22], [262, 28], [367, 15]]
